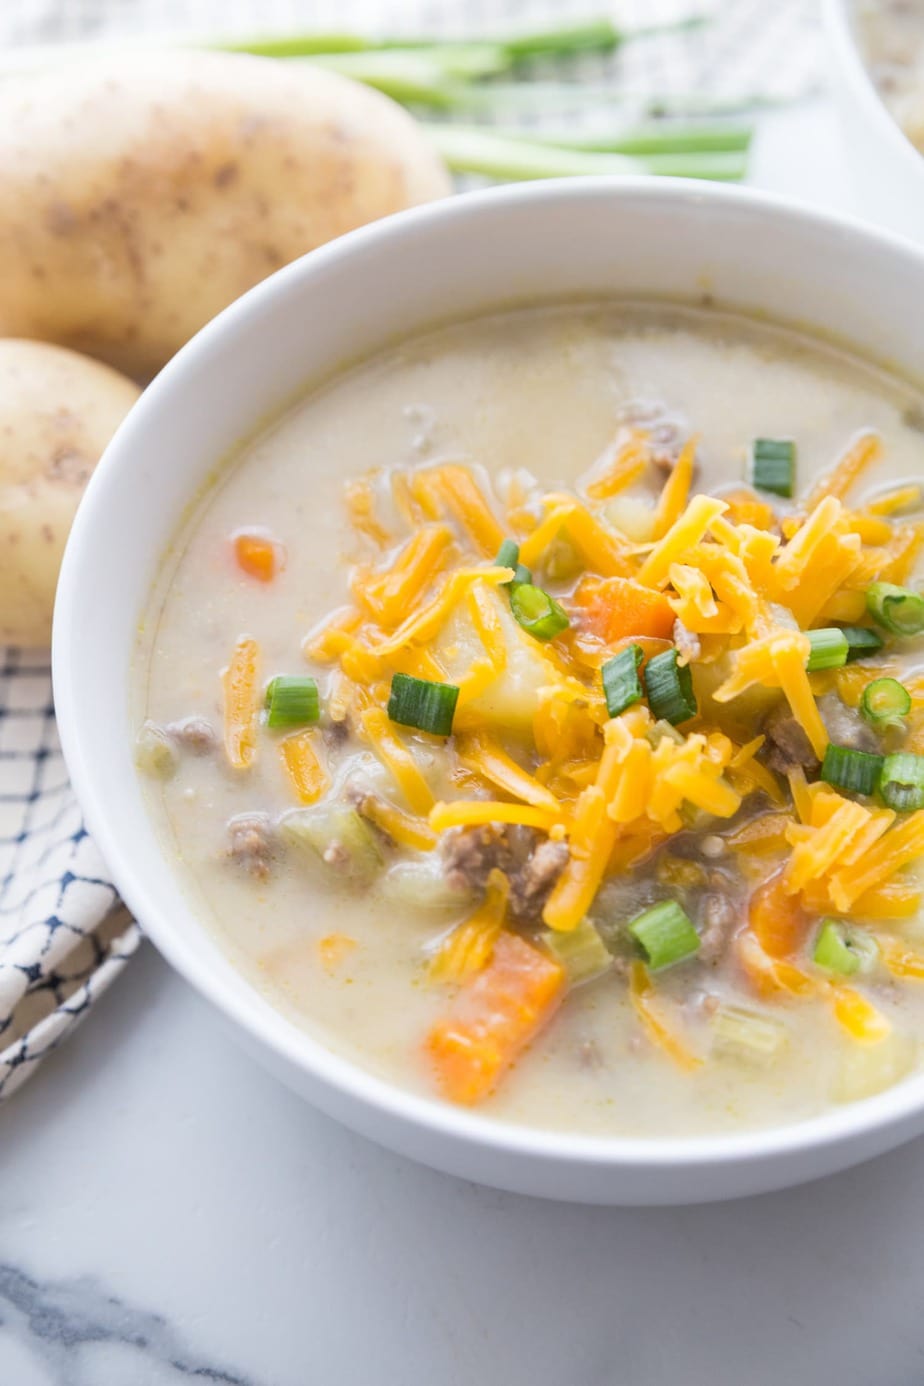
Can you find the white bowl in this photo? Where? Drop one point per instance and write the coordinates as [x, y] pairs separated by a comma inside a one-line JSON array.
[[466, 255], [887, 170]]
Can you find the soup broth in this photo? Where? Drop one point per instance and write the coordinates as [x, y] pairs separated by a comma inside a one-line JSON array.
[[332, 859]]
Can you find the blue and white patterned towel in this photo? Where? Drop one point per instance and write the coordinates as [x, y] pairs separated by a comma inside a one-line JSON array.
[[64, 935]]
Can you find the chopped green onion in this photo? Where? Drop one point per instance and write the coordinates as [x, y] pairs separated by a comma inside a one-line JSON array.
[[522, 577], [581, 952], [773, 465], [669, 686], [744, 1034], [856, 771], [901, 783], [507, 556], [829, 649], [666, 935], [292, 701], [423, 704], [861, 641], [621, 684], [538, 613], [845, 951], [885, 702], [897, 609]]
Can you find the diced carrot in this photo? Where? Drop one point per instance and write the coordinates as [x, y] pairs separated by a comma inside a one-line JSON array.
[[307, 775], [239, 681], [779, 922], [616, 607], [258, 554], [497, 1015]]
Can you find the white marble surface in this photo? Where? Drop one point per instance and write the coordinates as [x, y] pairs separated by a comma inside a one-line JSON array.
[[168, 1214]]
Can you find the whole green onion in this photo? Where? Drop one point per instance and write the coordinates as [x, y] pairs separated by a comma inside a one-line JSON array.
[[897, 609], [422, 703], [292, 701], [665, 934], [538, 613], [885, 702]]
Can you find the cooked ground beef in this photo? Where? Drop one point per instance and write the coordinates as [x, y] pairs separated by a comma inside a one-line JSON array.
[[250, 843], [530, 886], [787, 747], [193, 734], [337, 733], [687, 642], [532, 865]]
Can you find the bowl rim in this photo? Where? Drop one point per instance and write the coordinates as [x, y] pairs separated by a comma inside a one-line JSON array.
[[838, 17], [268, 1026]]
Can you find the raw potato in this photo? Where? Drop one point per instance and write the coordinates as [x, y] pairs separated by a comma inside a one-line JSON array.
[[58, 411], [142, 193]]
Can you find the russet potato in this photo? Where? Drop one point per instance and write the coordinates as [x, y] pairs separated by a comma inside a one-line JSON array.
[[142, 193], [58, 411]]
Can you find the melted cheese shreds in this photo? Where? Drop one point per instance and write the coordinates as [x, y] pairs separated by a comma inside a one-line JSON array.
[[389, 596], [426, 623], [686, 531], [467, 813], [619, 472], [479, 752], [466, 502], [859, 1017], [675, 492], [898, 848], [470, 946], [861, 454], [395, 755], [603, 550]]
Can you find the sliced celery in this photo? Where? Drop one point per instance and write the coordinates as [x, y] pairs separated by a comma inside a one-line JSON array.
[[581, 952], [744, 1034]]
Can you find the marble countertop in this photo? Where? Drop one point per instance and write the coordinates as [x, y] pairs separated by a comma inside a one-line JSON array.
[[168, 1213]]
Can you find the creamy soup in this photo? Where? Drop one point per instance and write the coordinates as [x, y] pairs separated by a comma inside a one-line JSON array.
[[533, 713], [891, 35]]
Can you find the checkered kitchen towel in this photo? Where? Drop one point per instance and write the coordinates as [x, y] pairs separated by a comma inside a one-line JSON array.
[[64, 935]]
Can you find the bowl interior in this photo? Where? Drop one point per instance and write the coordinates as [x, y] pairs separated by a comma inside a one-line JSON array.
[[473, 254]]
